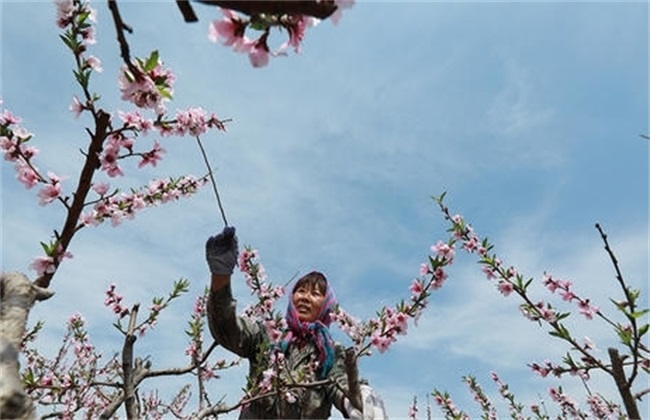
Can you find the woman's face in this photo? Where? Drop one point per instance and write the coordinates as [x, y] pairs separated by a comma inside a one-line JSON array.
[[308, 301]]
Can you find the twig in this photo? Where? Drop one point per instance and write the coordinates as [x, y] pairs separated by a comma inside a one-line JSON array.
[[630, 301], [639, 395], [120, 27], [187, 11]]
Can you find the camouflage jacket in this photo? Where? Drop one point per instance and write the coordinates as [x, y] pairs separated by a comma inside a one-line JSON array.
[[248, 339]]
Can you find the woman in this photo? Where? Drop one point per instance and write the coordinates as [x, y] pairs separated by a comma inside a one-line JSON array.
[[307, 347]]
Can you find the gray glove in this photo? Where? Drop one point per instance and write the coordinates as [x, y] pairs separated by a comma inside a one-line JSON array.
[[221, 251]]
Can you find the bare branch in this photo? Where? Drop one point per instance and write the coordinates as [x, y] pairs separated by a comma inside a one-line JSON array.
[[187, 11], [120, 27]]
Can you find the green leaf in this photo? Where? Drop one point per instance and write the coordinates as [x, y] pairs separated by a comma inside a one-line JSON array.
[[49, 248], [152, 61], [639, 314], [620, 306], [643, 330], [528, 282], [624, 335], [165, 93], [69, 42], [440, 198]]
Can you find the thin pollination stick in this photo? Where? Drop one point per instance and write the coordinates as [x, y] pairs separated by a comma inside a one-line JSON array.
[[212, 180]]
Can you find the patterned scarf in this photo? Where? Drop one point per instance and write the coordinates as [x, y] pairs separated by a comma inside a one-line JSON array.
[[316, 331]]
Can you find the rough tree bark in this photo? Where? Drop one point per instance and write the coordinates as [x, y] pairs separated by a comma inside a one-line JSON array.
[[17, 298]]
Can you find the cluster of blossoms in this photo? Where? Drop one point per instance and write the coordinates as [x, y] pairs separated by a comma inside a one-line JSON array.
[[195, 346], [114, 301], [75, 384], [598, 407], [413, 409], [231, 32], [447, 405], [381, 332], [567, 404], [276, 364], [266, 294], [350, 325], [509, 280], [196, 327], [13, 142], [147, 83], [67, 382], [119, 145], [546, 368], [46, 264], [117, 208], [515, 408], [481, 398], [563, 287], [74, 13], [153, 407], [391, 322], [603, 409]]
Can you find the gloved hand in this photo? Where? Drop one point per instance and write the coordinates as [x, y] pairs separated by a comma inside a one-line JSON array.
[[221, 251], [373, 405]]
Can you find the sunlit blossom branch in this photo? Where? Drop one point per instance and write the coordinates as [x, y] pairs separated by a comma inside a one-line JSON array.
[[537, 311], [510, 280]]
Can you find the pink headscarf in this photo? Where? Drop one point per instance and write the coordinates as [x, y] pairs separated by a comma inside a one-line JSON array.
[[316, 331]]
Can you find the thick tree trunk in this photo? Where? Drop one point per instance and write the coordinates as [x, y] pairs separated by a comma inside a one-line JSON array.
[[17, 297]]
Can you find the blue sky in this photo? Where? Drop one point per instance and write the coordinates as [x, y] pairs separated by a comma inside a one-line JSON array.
[[527, 114]]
